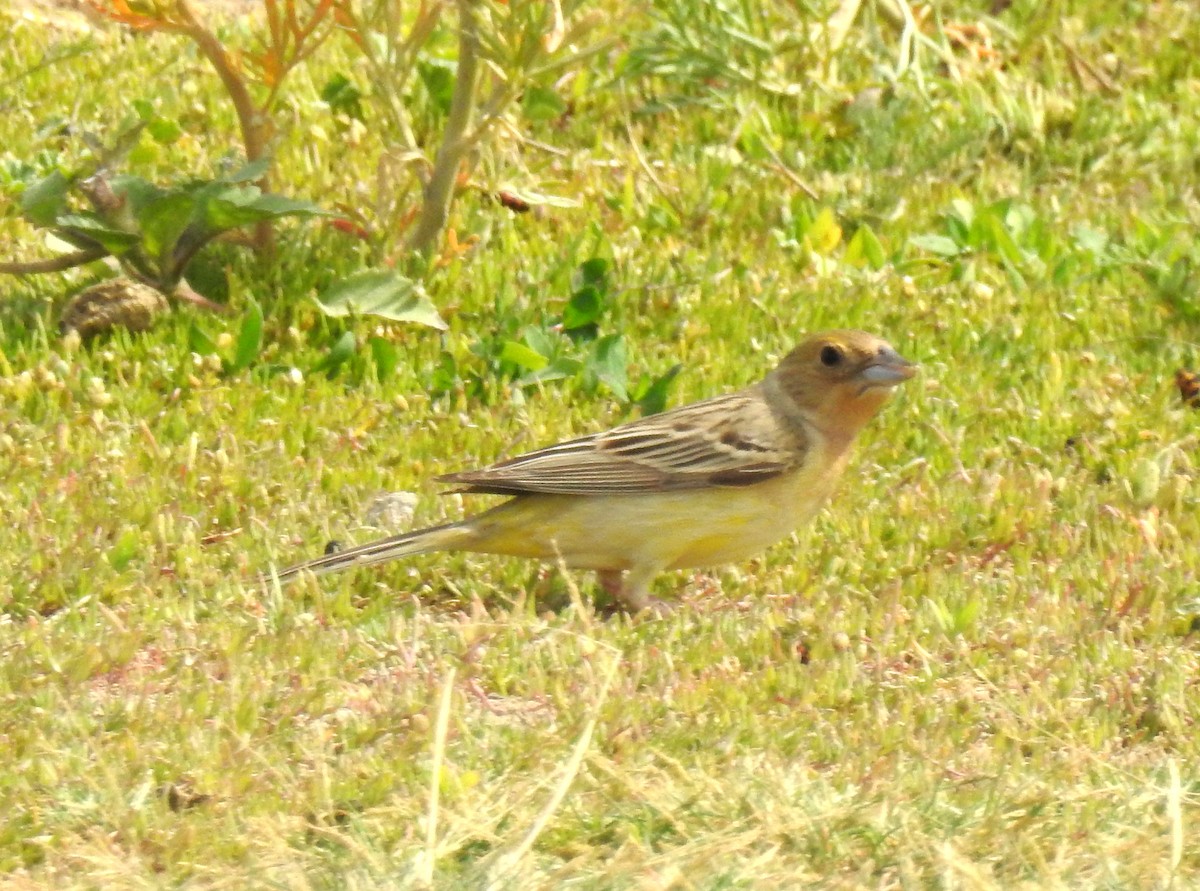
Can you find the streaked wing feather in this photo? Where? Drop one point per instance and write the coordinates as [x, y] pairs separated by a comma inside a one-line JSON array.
[[731, 440]]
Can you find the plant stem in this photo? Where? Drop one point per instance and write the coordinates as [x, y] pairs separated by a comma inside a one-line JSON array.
[[54, 264], [251, 119], [457, 141]]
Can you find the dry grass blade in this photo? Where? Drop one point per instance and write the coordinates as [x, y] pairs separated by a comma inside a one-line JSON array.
[[1175, 815], [435, 781], [506, 863]]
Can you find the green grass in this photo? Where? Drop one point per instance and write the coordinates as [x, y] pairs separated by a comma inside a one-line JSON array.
[[977, 669]]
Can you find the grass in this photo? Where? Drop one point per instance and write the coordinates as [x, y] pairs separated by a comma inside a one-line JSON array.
[[975, 670]]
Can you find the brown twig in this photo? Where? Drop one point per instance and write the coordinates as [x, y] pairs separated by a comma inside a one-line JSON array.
[[54, 264], [1080, 64]]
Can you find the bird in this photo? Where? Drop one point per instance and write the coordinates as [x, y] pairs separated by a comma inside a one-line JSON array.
[[697, 486]]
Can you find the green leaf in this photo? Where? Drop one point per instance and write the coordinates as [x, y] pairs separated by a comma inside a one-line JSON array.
[[199, 342], [164, 130], [138, 192], [541, 341], [652, 395], [121, 554], [386, 357], [438, 76], [444, 377], [522, 356], [238, 206], [44, 200], [249, 340], [935, 244], [248, 173], [583, 309], [864, 248], [342, 96], [381, 293], [115, 241], [558, 370], [339, 354], [825, 233], [1003, 241], [962, 213], [594, 272], [276, 206], [229, 208], [543, 104], [162, 221], [608, 363]]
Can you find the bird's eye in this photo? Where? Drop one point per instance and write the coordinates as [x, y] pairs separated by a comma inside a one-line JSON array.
[[831, 356]]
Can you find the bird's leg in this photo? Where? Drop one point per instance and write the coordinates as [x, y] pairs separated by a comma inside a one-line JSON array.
[[611, 580], [631, 590]]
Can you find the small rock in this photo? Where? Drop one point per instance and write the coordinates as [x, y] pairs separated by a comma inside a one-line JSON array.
[[392, 511]]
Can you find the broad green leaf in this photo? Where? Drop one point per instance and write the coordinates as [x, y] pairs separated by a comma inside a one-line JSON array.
[[230, 207], [162, 222], [115, 241], [583, 309], [199, 342], [339, 354], [444, 377], [594, 271], [824, 234], [164, 130], [543, 104], [558, 370], [960, 232], [248, 173], [382, 293], [249, 340], [342, 96], [386, 357], [1003, 241], [238, 206], [138, 193], [652, 395], [121, 554], [935, 244], [522, 356], [541, 341], [44, 200], [276, 206], [962, 211], [608, 363], [438, 76], [864, 248]]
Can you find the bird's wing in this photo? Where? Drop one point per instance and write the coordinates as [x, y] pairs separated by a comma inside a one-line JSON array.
[[732, 440]]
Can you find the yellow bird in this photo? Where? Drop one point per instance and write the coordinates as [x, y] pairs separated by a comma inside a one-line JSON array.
[[708, 483]]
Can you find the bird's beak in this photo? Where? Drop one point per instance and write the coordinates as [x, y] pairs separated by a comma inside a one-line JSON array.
[[887, 369]]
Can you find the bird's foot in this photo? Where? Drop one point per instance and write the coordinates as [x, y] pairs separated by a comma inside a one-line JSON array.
[[630, 599]]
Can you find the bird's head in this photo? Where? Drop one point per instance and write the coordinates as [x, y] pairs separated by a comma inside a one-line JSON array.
[[840, 379]]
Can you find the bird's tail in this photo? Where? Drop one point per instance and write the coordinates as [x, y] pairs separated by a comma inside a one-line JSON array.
[[436, 538]]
